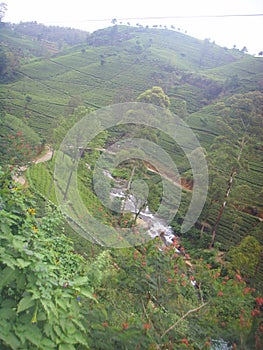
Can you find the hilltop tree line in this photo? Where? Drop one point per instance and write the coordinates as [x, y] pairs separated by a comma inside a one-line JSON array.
[[57, 34], [9, 64], [70, 36], [3, 8]]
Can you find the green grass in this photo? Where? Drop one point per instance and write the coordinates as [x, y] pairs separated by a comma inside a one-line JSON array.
[[40, 179]]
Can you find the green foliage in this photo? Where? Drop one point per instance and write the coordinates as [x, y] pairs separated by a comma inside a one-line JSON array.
[[50, 34], [245, 257], [9, 63], [43, 281], [66, 123], [149, 302], [19, 143], [156, 96], [145, 294]]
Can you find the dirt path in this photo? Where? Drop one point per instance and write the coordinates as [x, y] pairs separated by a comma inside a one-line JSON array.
[[167, 177], [20, 178], [44, 158]]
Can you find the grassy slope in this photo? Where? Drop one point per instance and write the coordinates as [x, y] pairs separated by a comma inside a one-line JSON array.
[[51, 82], [248, 69]]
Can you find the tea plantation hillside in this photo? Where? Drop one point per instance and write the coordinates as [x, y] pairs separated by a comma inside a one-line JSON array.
[[119, 63], [213, 89]]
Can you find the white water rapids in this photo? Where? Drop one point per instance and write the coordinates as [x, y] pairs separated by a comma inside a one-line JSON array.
[[155, 224]]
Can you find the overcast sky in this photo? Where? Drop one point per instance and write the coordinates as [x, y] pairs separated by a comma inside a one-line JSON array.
[[90, 15]]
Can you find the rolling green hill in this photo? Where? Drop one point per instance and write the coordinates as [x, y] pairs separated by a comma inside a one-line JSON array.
[[118, 64], [206, 85]]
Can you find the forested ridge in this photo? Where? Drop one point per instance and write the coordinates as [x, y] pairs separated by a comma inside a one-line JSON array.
[[61, 289]]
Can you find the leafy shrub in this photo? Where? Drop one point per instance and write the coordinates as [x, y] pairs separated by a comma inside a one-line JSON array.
[[43, 281]]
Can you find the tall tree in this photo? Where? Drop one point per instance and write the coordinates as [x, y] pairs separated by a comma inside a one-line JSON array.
[[228, 150], [241, 123], [3, 8], [245, 257], [156, 96]]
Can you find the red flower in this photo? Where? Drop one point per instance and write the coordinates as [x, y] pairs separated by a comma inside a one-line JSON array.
[[169, 280], [146, 326], [259, 301], [125, 325], [185, 341], [239, 278], [255, 313], [246, 290], [220, 293], [208, 344], [135, 255], [105, 324], [217, 274]]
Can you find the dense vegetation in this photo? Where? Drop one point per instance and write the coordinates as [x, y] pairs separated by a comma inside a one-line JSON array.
[[61, 291], [53, 297]]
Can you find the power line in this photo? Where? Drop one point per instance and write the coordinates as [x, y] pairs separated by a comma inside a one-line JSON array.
[[162, 18], [175, 17]]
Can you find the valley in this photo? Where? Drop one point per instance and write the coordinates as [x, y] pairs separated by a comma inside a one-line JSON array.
[[117, 133]]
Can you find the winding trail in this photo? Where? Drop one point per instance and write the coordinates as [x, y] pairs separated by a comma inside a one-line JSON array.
[[168, 178], [20, 178]]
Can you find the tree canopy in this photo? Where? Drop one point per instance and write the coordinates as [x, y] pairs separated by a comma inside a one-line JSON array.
[[3, 8], [156, 96]]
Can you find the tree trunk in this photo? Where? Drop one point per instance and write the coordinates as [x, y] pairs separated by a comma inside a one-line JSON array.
[[222, 208], [138, 212], [127, 191], [69, 179], [230, 183], [204, 222], [70, 174]]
